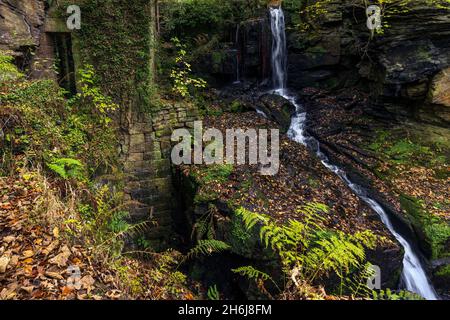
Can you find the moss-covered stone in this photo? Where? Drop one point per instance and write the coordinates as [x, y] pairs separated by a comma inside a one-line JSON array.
[[434, 231]]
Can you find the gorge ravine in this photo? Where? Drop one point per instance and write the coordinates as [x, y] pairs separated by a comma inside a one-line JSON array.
[[414, 277]]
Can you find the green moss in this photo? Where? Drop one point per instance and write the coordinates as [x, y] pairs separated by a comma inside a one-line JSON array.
[[215, 173], [8, 70], [413, 150], [205, 197], [206, 180], [444, 272], [436, 230], [314, 183]]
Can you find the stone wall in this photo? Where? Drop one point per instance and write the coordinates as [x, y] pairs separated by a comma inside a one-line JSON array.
[[26, 30], [146, 152]]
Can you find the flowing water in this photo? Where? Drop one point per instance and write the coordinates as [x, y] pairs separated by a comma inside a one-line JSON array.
[[414, 276], [238, 55]]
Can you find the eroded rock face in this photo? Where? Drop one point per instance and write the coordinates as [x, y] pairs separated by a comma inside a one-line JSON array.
[[403, 61], [440, 88], [20, 24]]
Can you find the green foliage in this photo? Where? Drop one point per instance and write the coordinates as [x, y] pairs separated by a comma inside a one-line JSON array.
[[437, 231], [216, 173], [250, 219], [48, 129], [91, 97], [310, 13], [204, 226], [444, 271], [67, 168], [401, 295], [406, 151], [116, 37], [213, 293], [143, 243], [252, 273], [341, 253], [8, 70], [236, 107], [183, 83], [103, 224], [190, 17], [308, 250], [207, 247]]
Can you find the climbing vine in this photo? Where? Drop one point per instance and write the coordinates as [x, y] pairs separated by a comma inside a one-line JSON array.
[[116, 37]]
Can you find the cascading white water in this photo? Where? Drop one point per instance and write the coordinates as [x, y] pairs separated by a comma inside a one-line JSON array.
[[238, 62], [279, 54], [413, 276]]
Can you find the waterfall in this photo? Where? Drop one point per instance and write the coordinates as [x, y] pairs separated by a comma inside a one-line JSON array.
[[279, 48], [238, 53], [414, 276]]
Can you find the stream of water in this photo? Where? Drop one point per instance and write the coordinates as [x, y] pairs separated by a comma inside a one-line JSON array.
[[414, 276]]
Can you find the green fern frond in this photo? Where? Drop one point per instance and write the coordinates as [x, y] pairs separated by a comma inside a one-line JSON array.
[[213, 293], [251, 273], [337, 253], [208, 247], [251, 218]]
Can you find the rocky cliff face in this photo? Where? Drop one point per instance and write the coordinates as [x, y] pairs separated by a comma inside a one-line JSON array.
[[403, 65], [20, 26], [244, 55]]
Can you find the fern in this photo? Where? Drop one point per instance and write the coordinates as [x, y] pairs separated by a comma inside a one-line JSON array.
[[204, 227], [357, 284], [338, 254], [251, 218], [67, 168], [311, 250], [251, 273], [213, 293], [401, 295], [208, 247]]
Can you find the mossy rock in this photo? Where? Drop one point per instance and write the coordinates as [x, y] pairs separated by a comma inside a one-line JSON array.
[[433, 232]]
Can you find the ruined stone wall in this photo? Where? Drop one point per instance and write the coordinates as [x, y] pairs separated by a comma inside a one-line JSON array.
[[27, 26], [147, 164], [25, 33]]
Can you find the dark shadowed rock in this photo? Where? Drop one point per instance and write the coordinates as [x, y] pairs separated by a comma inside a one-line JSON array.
[[404, 60], [277, 108]]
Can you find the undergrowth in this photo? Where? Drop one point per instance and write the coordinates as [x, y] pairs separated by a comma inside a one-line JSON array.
[[309, 252], [70, 148]]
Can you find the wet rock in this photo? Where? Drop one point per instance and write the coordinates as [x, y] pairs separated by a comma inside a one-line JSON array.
[[277, 108], [402, 65]]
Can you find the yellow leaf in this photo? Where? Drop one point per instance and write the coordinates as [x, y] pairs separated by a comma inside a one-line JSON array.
[[56, 232]]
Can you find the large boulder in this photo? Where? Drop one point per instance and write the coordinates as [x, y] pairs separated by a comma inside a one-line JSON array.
[[277, 108]]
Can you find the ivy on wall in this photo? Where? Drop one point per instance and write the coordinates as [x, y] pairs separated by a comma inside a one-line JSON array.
[[116, 38]]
